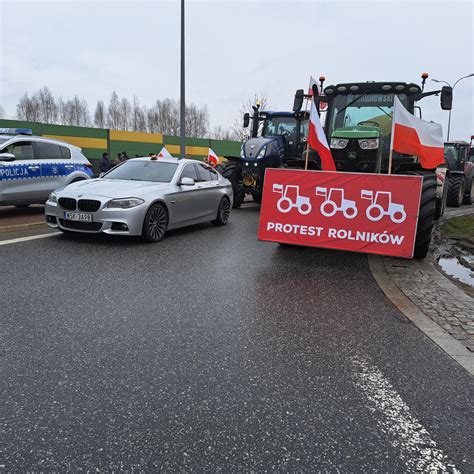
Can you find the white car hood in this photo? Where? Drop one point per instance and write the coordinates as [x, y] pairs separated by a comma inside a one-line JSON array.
[[111, 188]]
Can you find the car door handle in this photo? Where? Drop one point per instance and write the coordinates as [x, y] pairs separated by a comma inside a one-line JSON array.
[[33, 168], [69, 167]]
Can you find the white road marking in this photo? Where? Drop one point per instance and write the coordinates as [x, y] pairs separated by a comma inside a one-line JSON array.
[[26, 239], [417, 449]]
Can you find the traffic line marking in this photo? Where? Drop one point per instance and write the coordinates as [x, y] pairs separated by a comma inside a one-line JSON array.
[[418, 450], [26, 239]]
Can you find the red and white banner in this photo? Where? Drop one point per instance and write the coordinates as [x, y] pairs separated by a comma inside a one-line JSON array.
[[417, 137], [359, 212], [164, 153], [317, 140], [212, 158]]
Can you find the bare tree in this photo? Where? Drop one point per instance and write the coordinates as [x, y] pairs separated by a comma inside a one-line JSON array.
[[27, 108], [138, 120], [113, 112], [238, 130], [220, 133], [47, 106], [99, 114], [125, 114], [2, 112], [197, 121]]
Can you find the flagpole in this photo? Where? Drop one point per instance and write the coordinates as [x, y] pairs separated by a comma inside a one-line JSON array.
[[390, 160], [307, 143]]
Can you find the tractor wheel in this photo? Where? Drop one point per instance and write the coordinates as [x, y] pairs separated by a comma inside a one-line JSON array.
[[441, 202], [232, 172], [257, 196], [426, 214], [468, 196], [455, 190]]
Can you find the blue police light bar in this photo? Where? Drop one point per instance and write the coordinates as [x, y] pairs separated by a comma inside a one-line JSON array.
[[16, 131]]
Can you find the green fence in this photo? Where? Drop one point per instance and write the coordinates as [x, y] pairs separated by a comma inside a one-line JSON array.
[[95, 141]]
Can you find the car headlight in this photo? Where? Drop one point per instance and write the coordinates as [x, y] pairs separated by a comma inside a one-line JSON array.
[[339, 143], [369, 144], [262, 152], [126, 203], [53, 198]]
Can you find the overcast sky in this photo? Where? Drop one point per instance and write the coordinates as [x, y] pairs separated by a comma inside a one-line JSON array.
[[234, 49]]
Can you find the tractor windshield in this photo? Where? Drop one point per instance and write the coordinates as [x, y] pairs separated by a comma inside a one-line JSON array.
[[373, 110], [451, 152], [280, 126]]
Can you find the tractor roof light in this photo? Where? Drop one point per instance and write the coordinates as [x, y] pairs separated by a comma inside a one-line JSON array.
[[399, 87], [322, 78], [413, 89], [424, 75], [342, 88], [354, 88], [386, 87], [329, 91]]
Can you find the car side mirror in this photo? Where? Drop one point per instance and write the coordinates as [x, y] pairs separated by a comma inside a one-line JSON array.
[[187, 182], [298, 102], [7, 157], [246, 120], [446, 98]]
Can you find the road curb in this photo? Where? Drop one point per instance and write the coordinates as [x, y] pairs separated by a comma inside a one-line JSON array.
[[424, 323], [20, 227]]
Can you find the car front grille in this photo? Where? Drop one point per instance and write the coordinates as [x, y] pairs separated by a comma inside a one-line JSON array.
[[90, 226], [68, 203], [88, 205]]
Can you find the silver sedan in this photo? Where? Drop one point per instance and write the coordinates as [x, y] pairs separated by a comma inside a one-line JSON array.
[[143, 196]]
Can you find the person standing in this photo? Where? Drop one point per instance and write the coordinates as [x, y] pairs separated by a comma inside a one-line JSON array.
[[105, 164]]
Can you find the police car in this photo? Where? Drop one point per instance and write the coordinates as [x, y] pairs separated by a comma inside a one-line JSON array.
[[32, 167]]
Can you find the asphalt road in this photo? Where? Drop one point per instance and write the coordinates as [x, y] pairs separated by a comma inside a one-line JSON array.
[[213, 351]]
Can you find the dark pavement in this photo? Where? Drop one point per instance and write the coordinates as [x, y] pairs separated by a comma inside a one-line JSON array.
[[213, 351]]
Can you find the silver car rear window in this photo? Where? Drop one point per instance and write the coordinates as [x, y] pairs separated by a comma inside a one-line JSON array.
[[144, 171]]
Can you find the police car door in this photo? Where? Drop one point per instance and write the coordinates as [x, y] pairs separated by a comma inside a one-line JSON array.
[[20, 179], [56, 165]]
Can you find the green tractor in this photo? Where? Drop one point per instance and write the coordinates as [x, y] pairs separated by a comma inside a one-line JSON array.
[[358, 126]]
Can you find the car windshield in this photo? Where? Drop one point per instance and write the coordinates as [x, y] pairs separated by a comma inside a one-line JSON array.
[[155, 171]]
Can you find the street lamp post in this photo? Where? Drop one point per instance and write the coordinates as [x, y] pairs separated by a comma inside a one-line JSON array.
[[452, 87], [182, 118]]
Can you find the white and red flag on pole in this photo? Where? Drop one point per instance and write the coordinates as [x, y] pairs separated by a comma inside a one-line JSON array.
[[317, 140], [212, 158], [164, 153], [312, 82], [417, 137]]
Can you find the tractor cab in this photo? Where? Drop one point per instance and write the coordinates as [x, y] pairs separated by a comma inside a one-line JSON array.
[[456, 155], [359, 123]]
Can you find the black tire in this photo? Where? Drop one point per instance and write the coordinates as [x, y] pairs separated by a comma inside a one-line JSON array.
[[257, 196], [232, 172], [223, 213], [467, 199], [155, 223], [426, 215], [441, 203], [455, 190]]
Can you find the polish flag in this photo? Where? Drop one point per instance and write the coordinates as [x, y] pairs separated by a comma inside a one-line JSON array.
[[312, 82], [164, 153], [417, 137], [212, 158], [317, 140]]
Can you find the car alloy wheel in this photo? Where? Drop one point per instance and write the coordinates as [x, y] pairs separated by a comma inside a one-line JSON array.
[[156, 223], [223, 212]]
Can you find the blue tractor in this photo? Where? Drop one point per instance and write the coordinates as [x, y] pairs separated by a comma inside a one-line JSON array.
[[278, 139]]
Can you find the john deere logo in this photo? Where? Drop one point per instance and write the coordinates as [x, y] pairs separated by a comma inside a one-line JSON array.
[[352, 155]]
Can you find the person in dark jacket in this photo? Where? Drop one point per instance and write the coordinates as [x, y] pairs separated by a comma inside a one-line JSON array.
[[104, 163]]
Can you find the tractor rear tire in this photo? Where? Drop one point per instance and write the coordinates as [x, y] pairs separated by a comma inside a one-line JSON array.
[[441, 203], [468, 196], [455, 190], [257, 197], [426, 215], [232, 172]]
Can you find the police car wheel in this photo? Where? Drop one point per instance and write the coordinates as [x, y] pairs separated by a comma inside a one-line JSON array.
[[22, 206]]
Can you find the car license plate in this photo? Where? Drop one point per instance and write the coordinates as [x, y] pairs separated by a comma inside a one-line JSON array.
[[78, 216]]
